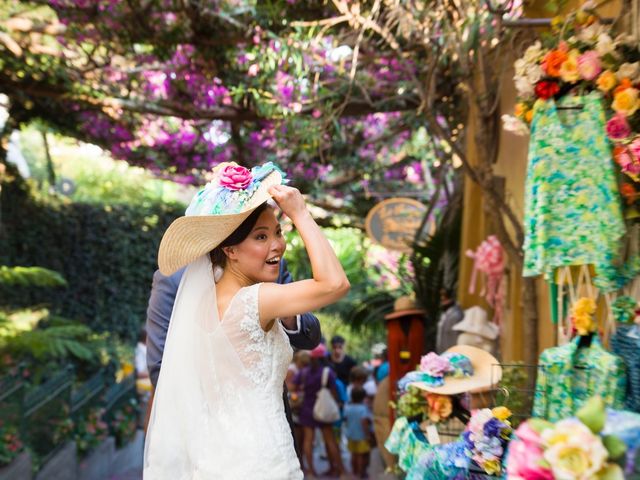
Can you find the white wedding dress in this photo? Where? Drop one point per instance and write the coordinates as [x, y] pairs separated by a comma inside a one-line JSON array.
[[218, 411]]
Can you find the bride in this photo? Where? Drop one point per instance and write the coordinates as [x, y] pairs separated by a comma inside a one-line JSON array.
[[218, 410]]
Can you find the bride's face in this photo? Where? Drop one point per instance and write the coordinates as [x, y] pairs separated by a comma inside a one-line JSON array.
[[258, 256]]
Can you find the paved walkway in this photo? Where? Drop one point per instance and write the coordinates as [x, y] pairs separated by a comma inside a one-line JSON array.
[[376, 467]]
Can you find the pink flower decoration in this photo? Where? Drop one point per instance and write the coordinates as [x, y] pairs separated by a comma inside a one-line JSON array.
[[629, 162], [235, 177], [525, 455], [435, 365], [589, 65], [618, 127], [634, 147]]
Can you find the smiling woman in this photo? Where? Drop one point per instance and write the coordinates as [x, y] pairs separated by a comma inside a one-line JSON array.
[[218, 410]]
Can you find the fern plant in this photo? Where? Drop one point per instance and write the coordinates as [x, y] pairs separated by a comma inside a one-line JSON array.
[[45, 338], [31, 276]]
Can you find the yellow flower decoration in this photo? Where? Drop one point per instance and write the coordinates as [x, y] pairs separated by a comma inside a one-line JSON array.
[[569, 69], [606, 81], [583, 311], [520, 110], [501, 413], [491, 467], [626, 101]]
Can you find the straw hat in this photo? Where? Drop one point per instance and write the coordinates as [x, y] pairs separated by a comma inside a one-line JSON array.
[[486, 373], [215, 212], [476, 321], [405, 305]]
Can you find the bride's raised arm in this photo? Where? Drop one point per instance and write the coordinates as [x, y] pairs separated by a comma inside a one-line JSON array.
[[329, 282]]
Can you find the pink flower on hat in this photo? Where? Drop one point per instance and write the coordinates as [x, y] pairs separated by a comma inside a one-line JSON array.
[[435, 365], [235, 177]]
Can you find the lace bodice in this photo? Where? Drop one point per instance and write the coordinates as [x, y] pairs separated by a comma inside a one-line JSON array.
[[219, 411], [265, 355]]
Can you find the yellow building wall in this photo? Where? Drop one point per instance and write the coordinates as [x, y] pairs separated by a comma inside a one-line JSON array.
[[512, 166]]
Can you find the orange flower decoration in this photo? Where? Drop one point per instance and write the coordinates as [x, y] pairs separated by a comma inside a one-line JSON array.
[[628, 192], [624, 84], [440, 407], [553, 61], [520, 110]]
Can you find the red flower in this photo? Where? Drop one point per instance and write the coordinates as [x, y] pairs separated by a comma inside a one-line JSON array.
[[546, 89]]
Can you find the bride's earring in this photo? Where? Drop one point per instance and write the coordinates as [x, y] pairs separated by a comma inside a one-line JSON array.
[[217, 273]]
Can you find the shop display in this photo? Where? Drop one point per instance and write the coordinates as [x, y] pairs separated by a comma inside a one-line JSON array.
[[572, 448], [570, 374], [585, 56], [487, 437], [625, 343], [489, 259], [572, 207], [405, 339], [477, 331]]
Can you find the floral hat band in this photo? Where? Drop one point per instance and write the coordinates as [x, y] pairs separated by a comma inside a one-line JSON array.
[[231, 188], [434, 367]]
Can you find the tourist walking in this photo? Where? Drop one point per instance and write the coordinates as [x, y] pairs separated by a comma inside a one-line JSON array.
[[309, 381]]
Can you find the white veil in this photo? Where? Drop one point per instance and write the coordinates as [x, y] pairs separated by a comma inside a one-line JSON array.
[[191, 408], [183, 389]]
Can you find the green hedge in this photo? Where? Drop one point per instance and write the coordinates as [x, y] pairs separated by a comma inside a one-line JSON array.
[[107, 254]]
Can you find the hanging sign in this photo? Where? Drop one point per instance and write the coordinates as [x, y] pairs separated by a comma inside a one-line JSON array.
[[393, 223]]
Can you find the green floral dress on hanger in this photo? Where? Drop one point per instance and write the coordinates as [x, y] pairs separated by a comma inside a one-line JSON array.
[[572, 206]]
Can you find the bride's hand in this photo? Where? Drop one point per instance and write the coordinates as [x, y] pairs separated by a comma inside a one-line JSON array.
[[290, 200]]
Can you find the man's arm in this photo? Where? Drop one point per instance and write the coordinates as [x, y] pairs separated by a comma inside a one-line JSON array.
[[308, 333], [163, 295]]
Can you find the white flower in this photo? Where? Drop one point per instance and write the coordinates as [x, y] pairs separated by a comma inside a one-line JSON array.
[[534, 74], [533, 53], [520, 67], [514, 125], [524, 87], [573, 451], [591, 33], [628, 70], [605, 45]]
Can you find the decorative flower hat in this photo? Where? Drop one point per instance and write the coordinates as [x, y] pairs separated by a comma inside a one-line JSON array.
[[460, 369], [215, 212]]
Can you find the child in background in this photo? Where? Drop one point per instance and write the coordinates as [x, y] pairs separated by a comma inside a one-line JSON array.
[[359, 377], [357, 419]]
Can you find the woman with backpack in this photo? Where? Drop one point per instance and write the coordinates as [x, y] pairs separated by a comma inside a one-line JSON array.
[[310, 382]]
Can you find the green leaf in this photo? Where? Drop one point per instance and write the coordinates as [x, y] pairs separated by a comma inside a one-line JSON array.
[[610, 472], [616, 447], [31, 276], [593, 414]]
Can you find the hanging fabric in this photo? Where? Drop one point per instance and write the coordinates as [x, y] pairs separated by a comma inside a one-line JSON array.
[[489, 259], [570, 375], [572, 207]]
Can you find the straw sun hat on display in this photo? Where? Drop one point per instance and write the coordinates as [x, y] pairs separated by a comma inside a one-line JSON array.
[[460, 369], [215, 212], [404, 305]]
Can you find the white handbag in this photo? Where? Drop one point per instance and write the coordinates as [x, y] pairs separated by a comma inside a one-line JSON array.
[[325, 409]]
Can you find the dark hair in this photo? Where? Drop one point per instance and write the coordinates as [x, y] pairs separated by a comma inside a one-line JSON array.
[[358, 374], [448, 292], [142, 335], [337, 339], [358, 395], [217, 256]]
